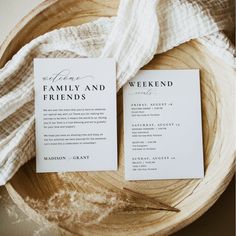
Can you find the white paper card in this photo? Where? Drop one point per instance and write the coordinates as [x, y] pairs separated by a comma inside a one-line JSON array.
[[75, 111], [162, 125]]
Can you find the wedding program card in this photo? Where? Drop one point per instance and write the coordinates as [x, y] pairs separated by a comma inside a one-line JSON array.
[[75, 111], [162, 125]]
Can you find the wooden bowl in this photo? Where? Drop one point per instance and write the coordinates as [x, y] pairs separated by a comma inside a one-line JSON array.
[[192, 197]]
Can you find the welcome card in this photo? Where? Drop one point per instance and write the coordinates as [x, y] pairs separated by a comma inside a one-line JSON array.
[[75, 112]]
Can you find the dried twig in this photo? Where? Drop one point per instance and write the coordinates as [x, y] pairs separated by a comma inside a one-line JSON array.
[[157, 205]]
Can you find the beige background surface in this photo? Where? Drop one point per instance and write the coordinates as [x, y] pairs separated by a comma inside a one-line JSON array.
[[218, 221]]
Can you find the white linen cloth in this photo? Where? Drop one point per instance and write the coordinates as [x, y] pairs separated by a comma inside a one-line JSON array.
[[141, 29]]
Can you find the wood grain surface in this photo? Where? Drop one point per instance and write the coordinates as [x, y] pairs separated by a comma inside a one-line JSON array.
[[193, 197]]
